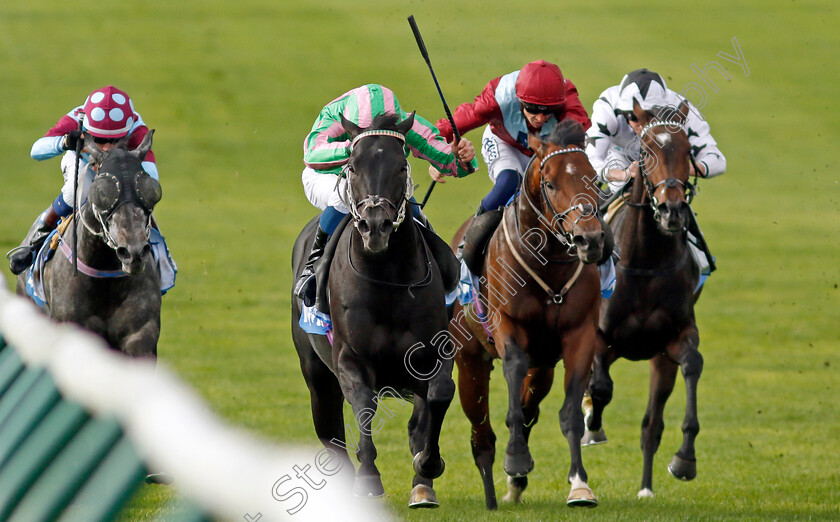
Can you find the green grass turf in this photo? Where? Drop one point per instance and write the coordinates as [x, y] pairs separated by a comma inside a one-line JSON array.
[[233, 87]]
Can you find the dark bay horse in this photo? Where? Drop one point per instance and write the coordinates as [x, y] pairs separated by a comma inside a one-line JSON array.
[[386, 301], [540, 293], [650, 316], [116, 292]]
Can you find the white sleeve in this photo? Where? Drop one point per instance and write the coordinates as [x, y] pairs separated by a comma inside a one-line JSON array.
[[600, 134], [703, 146]]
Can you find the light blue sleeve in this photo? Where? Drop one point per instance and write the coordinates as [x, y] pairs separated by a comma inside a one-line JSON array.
[[47, 147], [150, 169]]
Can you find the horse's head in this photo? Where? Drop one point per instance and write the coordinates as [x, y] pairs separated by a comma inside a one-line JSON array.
[[378, 180], [562, 179], [122, 197], [664, 164]]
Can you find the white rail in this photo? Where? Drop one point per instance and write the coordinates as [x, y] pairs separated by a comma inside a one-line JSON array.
[[223, 469]]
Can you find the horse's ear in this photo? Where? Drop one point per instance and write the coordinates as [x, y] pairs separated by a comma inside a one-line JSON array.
[[536, 144], [96, 153], [641, 115], [683, 111], [404, 126], [145, 146], [351, 128]]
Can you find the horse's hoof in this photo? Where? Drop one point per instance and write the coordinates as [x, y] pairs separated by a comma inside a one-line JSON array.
[[518, 465], [645, 493], [592, 438], [430, 474], [515, 488], [159, 478], [368, 486], [423, 496], [683, 469], [582, 497]]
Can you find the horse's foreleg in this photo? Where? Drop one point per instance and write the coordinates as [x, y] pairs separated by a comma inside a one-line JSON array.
[[327, 404], [578, 350], [474, 367], [441, 389], [535, 387], [428, 464], [422, 492], [142, 342], [518, 461], [684, 464], [663, 374], [600, 394], [361, 397]]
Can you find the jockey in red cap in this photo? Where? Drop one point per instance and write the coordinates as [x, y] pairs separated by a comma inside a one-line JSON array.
[[108, 115], [533, 99]]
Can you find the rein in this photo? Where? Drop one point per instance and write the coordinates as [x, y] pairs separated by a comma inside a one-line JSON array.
[[556, 297], [425, 281], [70, 253]]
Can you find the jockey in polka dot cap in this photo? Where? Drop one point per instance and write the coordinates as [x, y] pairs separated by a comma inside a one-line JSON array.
[[108, 115]]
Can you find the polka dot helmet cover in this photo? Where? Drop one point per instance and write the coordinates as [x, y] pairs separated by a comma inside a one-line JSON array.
[[109, 113]]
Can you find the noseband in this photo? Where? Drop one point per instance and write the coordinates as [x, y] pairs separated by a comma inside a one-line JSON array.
[[585, 209], [671, 182], [356, 208], [103, 218]]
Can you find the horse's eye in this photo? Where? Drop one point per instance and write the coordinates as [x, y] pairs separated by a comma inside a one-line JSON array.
[[549, 186]]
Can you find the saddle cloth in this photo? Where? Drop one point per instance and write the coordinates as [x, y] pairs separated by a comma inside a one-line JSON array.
[[167, 269]]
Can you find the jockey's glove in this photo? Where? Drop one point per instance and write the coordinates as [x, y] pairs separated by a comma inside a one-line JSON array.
[[71, 140]]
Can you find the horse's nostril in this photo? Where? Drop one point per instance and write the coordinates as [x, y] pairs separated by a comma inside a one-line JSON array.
[[123, 253], [363, 227], [387, 226]]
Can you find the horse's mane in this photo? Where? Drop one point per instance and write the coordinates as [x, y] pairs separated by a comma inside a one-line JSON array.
[[385, 121], [567, 132]]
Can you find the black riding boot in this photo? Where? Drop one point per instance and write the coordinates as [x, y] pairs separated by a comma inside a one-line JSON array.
[[694, 228], [21, 258], [306, 284]]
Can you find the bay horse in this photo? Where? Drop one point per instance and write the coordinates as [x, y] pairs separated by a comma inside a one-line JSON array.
[[386, 302], [650, 316], [540, 293], [116, 291]]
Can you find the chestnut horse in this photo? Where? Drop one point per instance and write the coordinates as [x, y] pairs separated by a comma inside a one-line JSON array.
[[540, 294], [651, 313]]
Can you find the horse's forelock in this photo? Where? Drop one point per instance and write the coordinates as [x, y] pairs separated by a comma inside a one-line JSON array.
[[567, 132], [385, 121]]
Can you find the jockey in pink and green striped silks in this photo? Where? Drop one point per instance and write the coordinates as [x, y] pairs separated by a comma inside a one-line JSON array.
[[326, 150]]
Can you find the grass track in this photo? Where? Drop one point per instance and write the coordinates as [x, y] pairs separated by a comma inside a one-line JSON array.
[[233, 87]]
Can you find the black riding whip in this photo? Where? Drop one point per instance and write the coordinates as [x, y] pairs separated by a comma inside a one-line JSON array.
[[79, 145], [455, 132]]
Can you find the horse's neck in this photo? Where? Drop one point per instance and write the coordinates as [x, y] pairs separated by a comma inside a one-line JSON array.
[[643, 243], [92, 249], [404, 255], [528, 221]]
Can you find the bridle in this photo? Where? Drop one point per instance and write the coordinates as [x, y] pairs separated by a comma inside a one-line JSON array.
[[103, 216], [355, 207], [665, 184], [586, 209]]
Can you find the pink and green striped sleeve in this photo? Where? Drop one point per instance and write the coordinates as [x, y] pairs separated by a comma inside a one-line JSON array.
[[327, 146], [425, 142]]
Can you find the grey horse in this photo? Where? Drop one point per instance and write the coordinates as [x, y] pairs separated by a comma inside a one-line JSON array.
[[113, 288]]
